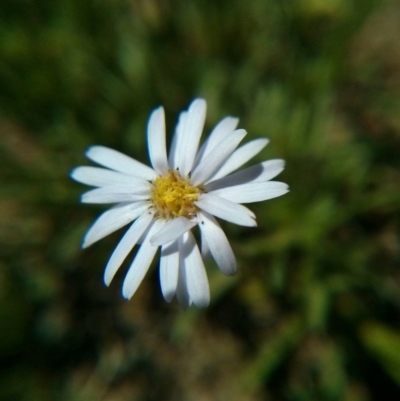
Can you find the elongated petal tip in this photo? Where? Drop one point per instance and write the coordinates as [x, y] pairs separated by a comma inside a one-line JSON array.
[[168, 297], [202, 303], [107, 281], [73, 173], [88, 242], [92, 150], [263, 142], [198, 102], [108, 276], [96, 148], [231, 273]]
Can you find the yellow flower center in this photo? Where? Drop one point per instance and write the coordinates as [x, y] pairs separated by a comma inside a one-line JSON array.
[[173, 196]]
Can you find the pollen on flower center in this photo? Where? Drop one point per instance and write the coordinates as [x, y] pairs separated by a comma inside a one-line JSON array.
[[173, 196]]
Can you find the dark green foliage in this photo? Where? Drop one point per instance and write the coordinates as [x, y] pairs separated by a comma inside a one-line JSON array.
[[314, 313]]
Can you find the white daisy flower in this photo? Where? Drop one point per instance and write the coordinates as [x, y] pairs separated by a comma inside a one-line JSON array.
[[189, 188]]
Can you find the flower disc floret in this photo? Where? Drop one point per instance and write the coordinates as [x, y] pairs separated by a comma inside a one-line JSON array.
[[173, 196]]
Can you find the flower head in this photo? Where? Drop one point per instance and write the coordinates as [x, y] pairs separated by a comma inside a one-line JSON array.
[[190, 187]]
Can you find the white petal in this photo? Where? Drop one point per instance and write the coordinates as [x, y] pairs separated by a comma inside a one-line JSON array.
[[205, 249], [226, 210], [218, 243], [143, 236], [126, 244], [241, 156], [141, 263], [156, 141], [169, 269], [172, 229], [181, 291], [100, 177], [196, 276], [173, 152], [116, 194], [252, 192], [221, 131], [189, 138], [260, 172], [113, 220], [119, 162], [216, 157]]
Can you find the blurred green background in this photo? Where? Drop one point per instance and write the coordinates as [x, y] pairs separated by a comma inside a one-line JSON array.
[[314, 313]]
